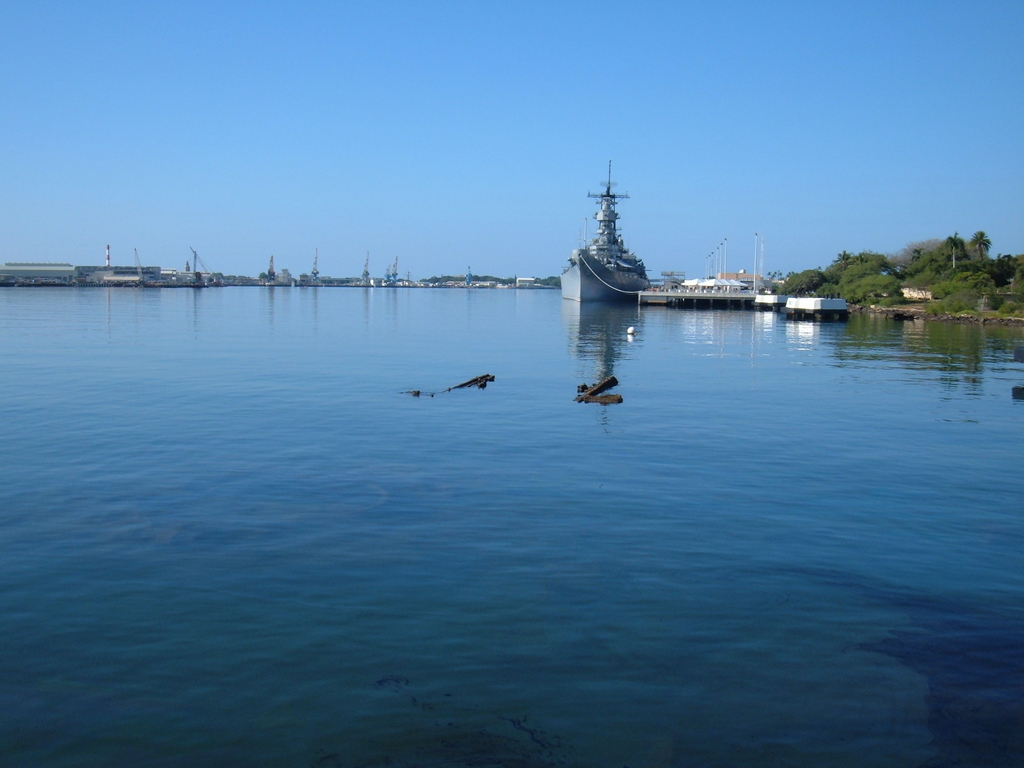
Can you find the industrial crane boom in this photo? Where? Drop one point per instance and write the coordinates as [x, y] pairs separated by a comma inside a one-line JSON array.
[[198, 262]]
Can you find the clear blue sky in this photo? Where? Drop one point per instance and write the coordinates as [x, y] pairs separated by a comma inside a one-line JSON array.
[[468, 134]]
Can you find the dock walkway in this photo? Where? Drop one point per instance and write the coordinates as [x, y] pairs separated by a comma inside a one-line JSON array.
[[793, 307], [698, 299]]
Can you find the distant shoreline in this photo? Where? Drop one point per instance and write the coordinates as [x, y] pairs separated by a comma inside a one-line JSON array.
[[136, 286]]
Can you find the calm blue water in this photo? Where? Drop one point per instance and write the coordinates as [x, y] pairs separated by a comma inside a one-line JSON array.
[[229, 537]]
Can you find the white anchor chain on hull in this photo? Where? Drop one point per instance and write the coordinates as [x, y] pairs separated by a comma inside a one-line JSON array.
[[620, 290]]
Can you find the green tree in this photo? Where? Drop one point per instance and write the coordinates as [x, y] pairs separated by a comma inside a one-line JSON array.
[[872, 288], [1002, 269], [867, 278], [803, 283], [981, 243], [957, 247], [929, 263], [976, 283]]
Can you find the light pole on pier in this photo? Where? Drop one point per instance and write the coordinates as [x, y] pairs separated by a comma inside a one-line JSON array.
[[755, 262]]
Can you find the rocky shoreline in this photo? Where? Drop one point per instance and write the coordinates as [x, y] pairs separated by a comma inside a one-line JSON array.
[[916, 312]]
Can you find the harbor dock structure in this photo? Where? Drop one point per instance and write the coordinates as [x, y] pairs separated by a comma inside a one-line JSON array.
[[821, 310], [770, 302], [688, 300], [711, 293]]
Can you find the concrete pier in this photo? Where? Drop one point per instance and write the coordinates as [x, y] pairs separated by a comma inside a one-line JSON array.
[[698, 299], [821, 310], [770, 302]]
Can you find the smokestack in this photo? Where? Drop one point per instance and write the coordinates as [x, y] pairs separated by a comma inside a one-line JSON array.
[[108, 257]]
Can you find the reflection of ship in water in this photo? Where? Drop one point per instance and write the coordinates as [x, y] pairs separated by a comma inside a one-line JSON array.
[[597, 332]]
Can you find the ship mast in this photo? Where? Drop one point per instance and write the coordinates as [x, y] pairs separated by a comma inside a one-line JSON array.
[[607, 244]]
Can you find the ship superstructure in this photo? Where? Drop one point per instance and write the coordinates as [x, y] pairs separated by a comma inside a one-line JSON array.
[[604, 269]]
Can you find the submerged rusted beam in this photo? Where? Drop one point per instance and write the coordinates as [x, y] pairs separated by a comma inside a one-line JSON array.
[[603, 399], [598, 388], [477, 381]]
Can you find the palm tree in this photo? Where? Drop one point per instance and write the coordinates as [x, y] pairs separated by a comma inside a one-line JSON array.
[[981, 243], [956, 245]]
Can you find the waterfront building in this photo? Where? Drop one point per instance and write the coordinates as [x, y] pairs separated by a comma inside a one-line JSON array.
[[118, 274], [38, 271]]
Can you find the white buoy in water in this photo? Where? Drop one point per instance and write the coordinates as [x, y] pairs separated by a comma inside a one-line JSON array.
[[631, 331]]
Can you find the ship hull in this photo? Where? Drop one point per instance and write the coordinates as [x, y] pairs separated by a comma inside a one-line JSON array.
[[592, 281]]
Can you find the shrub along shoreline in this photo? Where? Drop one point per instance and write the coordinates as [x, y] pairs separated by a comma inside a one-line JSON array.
[[957, 278], [919, 312]]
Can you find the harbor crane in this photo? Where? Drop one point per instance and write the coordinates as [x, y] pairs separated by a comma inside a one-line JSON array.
[[316, 272], [138, 265], [196, 264], [366, 269], [271, 274]]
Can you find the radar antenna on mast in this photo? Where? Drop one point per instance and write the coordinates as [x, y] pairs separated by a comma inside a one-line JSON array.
[[608, 186], [609, 183]]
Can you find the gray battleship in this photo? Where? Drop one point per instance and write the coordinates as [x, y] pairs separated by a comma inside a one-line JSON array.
[[604, 270]]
